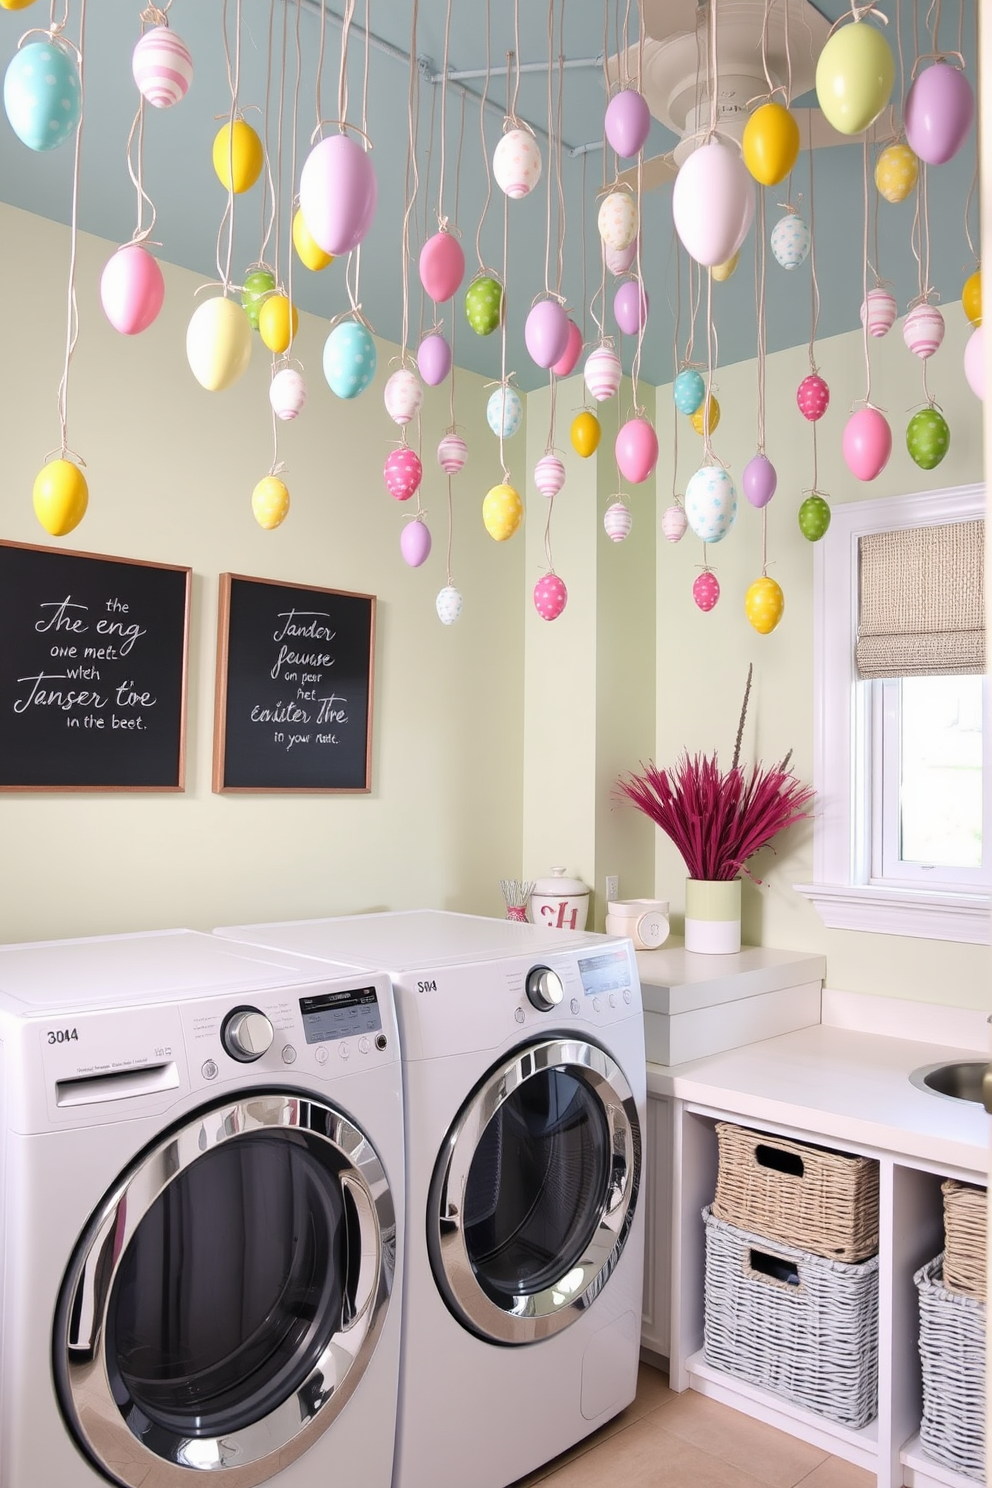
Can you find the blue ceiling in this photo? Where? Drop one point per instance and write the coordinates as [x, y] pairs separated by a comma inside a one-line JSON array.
[[190, 202]]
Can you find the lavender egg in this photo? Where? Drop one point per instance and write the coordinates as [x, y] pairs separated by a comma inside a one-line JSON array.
[[759, 480], [434, 359], [415, 543]]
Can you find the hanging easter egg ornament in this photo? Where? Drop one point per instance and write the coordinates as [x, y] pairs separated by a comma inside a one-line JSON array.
[[309, 252], [621, 260], [630, 307], [504, 412], [938, 112], [502, 512], [278, 322], [696, 419], [636, 450], [814, 517], [923, 330], [866, 443], [688, 390], [974, 362], [415, 542], [711, 503], [759, 479], [706, 590], [813, 397], [287, 393], [585, 433], [617, 521], [567, 362], [338, 193], [349, 359], [928, 438], [764, 604], [132, 289], [452, 452], [602, 372], [270, 502], [517, 163], [854, 76], [60, 496], [442, 266], [971, 297], [790, 240], [617, 220], [162, 67], [712, 203], [15, 4], [674, 523], [878, 311], [238, 156], [549, 475], [402, 395], [722, 272], [628, 122], [259, 283], [484, 304], [550, 597], [770, 145], [449, 605], [41, 94], [218, 343], [546, 332], [402, 472], [434, 359], [896, 171]]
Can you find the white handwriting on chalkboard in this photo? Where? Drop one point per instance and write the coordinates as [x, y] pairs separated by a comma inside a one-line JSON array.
[[308, 628], [49, 697], [329, 713], [281, 713], [61, 620], [287, 657]]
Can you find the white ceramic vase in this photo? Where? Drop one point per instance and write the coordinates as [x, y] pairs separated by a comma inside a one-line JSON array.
[[713, 916]]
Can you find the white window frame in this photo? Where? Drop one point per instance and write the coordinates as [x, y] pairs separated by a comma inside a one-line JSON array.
[[842, 890]]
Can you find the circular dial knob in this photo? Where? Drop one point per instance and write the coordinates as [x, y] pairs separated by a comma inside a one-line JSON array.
[[246, 1034], [544, 988]]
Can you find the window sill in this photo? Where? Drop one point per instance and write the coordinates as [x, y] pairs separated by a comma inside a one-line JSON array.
[[916, 913]]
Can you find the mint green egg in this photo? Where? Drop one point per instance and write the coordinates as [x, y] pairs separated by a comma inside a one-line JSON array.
[[928, 438], [484, 305]]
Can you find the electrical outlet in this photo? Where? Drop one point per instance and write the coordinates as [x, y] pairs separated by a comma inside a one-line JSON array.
[[612, 887]]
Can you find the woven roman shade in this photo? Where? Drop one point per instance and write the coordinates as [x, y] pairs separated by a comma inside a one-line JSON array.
[[922, 607]]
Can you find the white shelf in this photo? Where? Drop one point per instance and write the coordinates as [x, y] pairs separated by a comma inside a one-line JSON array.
[[920, 1471]]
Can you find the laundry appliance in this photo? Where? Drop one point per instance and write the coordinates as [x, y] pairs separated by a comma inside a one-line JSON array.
[[524, 1088], [201, 1172]]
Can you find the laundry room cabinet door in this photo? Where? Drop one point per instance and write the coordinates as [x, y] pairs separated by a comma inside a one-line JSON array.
[[656, 1313]]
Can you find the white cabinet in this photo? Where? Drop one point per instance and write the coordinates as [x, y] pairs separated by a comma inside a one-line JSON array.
[[656, 1195]]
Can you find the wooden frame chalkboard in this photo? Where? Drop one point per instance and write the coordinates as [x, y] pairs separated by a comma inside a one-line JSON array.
[[93, 659], [293, 708]]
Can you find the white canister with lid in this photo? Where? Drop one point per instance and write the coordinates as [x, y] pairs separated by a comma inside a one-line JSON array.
[[644, 920], [560, 902]]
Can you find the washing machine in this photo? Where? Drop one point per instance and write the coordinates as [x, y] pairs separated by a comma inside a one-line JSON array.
[[201, 1173], [524, 1083]]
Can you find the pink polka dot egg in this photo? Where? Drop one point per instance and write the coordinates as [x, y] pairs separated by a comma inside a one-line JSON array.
[[517, 163], [812, 397], [550, 597], [706, 590], [162, 66], [402, 472]]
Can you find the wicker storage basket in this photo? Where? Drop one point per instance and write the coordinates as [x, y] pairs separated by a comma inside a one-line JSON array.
[[800, 1325], [965, 1209], [824, 1202], [952, 1352]]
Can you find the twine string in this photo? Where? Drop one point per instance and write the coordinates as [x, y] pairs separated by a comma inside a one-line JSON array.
[[482, 136], [72, 315], [864, 284], [349, 12], [136, 170], [411, 173], [675, 361], [759, 286], [444, 116], [814, 283]]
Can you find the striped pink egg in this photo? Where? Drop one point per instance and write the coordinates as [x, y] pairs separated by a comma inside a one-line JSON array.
[[879, 306], [923, 330], [617, 521], [602, 372], [674, 522], [162, 67], [452, 452], [549, 475]]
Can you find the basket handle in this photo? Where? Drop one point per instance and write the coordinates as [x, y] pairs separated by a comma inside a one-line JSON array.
[[779, 1159], [776, 1269]]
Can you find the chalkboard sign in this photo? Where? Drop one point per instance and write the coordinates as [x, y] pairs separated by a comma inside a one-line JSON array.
[[92, 671], [294, 687]]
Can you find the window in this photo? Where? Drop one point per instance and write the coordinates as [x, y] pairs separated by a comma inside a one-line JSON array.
[[902, 838]]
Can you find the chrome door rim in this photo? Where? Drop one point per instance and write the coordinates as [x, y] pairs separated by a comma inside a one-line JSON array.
[[254, 1453], [533, 1315]]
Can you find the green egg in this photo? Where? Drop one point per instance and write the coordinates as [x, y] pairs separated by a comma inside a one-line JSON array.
[[484, 305], [814, 518], [259, 284], [928, 438]]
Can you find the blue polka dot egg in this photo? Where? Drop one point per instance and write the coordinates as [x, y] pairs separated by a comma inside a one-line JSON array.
[[688, 390], [711, 503], [790, 241], [41, 95], [349, 359], [505, 412]]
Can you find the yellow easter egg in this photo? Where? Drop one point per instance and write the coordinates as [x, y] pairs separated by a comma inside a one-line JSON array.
[[502, 512], [238, 157], [971, 297], [218, 343], [722, 272], [696, 419], [585, 433], [764, 604], [274, 320], [771, 143], [896, 170], [269, 502], [60, 496], [15, 4], [310, 254]]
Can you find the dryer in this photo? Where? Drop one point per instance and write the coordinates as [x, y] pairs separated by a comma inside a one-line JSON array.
[[524, 1083], [201, 1172]]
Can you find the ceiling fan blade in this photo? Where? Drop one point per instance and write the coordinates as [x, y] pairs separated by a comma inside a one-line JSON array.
[[814, 125], [655, 171]]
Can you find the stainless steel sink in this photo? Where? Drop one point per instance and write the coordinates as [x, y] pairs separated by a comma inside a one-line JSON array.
[[960, 1080]]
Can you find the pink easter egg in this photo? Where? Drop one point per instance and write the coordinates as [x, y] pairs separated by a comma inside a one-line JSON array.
[[132, 290], [617, 521], [813, 397], [402, 472], [287, 393], [338, 193], [974, 362], [452, 452], [923, 330], [434, 359], [162, 67], [620, 260], [628, 122], [636, 450], [550, 597], [866, 443], [602, 373], [706, 590], [939, 110], [402, 395], [713, 203], [878, 309], [759, 479], [415, 542], [517, 163], [674, 523], [630, 306], [549, 475], [442, 266], [566, 363], [546, 332]]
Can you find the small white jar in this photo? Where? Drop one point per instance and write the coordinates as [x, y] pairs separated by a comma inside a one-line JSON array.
[[560, 903], [644, 920]]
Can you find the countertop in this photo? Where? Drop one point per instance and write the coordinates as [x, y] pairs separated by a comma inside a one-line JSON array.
[[840, 1083]]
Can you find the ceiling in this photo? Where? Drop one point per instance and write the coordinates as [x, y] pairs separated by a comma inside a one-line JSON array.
[[190, 203]]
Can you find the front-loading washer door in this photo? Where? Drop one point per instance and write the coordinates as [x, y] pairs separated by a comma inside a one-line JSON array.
[[227, 1295], [534, 1191]]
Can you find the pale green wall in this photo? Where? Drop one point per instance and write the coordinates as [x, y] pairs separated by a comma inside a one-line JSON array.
[[171, 470]]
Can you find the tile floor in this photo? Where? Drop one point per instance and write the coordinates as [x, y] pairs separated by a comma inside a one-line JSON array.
[[664, 1440]]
